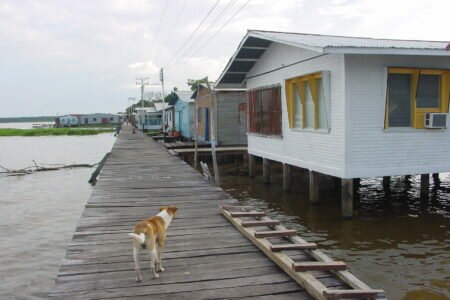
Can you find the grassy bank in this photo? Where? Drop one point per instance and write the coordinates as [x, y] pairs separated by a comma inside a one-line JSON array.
[[50, 131]]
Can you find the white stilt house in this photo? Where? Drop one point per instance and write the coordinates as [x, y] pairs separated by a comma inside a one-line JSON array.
[[343, 106]]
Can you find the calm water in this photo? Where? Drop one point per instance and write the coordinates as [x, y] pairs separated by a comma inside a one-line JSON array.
[[395, 242], [39, 212]]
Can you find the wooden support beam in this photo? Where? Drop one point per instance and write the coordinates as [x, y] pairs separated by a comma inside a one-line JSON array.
[[424, 186], [304, 246], [236, 207], [351, 294], [386, 183], [260, 223], [347, 198], [313, 187], [251, 165], [266, 171], [275, 233], [319, 266], [287, 179], [240, 214]]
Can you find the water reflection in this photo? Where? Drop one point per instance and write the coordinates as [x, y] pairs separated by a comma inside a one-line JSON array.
[[396, 241]]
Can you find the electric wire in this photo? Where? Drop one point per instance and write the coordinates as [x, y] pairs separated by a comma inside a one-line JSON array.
[[208, 28], [214, 35], [192, 34], [158, 28], [173, 27]]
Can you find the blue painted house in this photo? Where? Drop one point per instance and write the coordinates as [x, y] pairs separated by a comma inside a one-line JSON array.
[[184, 114]]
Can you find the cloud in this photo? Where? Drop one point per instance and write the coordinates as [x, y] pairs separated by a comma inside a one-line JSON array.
[[147, 67]]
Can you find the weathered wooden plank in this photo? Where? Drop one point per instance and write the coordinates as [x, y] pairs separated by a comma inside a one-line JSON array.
[[351, 294], [274, 233], [284, 247], [260, 223], [240, 214], [319, 266]]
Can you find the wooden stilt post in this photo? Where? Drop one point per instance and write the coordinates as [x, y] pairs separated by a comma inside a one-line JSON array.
[[436, 178], [313, 187], [213, 114], [266, 171], [196, 126], [287, 177], [251, 165], [387, 183], [347, 198], [356, 184], [424, 185]]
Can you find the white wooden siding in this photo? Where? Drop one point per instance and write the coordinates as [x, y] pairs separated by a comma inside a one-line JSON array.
[[373, 151], [319, 150]]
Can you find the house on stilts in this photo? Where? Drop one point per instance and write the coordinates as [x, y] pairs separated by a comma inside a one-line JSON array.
[[344, 106]]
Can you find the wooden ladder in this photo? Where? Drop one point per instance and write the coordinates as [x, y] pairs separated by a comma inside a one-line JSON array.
[[299, 271]]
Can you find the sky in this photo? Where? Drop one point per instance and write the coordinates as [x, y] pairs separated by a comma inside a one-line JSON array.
[[82, 56]]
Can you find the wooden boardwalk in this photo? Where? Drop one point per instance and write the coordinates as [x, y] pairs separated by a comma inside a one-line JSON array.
[[205, 256]]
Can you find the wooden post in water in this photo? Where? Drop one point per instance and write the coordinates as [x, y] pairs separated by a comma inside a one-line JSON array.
[[196, 126], [313, 187], [424, 185], [347, 198], [213, 114], [386, 183], [266, 171], [287, 177], [251, 165]]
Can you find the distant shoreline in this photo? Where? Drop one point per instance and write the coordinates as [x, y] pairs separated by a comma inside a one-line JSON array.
[[52, 131], [28, 119]]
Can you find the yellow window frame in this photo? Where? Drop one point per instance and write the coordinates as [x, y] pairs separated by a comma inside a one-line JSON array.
[[311, 80], [418, 114]]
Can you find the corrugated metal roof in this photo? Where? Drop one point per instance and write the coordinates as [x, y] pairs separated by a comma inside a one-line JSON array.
[[185, 95], [330, 41], [256, 42]]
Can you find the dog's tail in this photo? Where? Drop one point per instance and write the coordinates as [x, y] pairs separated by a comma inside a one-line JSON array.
[[138, 237]]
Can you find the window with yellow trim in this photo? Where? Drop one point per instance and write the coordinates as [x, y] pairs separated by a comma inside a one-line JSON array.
[[413, 92], [305, 96]]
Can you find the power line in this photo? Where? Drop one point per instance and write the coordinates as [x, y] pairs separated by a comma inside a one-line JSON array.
[[157, 30], [207, 29], [215, 34], [173, 27], [196, 29]]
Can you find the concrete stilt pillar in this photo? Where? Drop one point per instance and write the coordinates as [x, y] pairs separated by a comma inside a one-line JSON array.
[[424, 185], [287, 178], [251, 165], [313, 187], [387, 183], [347, 198], [266, 171]]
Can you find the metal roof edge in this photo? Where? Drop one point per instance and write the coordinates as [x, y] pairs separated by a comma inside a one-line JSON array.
[[393, 51], [280, 41]]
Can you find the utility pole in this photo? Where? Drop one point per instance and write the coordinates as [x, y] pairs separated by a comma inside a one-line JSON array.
[[130, 107], [161, 78], [142, 81], [213, 127], [196, 126]]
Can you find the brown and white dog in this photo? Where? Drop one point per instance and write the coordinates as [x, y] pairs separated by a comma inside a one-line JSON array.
[[151, 234]]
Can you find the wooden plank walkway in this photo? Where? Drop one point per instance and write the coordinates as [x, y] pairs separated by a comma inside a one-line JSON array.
[[205, 256]]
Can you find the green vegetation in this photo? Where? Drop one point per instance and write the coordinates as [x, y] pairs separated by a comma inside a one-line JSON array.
[[28, 119], [51, 131], [153, 132]]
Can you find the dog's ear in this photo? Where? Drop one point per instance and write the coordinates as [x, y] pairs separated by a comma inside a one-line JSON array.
[[173, 209], [163, 208]]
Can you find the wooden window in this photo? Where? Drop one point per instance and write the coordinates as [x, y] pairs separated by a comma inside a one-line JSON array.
[[306, 101], [264, 111], [413, 92]]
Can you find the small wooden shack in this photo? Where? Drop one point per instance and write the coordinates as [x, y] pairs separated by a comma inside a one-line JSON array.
[[231, 114], [343, 106], [184, 114]]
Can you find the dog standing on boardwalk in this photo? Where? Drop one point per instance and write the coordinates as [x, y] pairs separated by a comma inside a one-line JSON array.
[[151, 234]]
